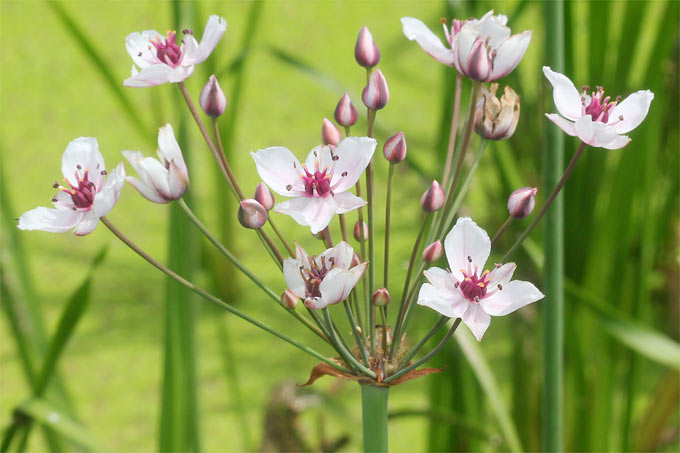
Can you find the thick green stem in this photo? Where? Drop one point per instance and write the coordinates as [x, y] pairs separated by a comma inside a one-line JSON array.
[[374, 417]]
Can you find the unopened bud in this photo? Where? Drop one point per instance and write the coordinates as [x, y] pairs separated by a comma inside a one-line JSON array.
[[264, 196], [212, 99], [434, 198], [345, 112], [252, 214], [496, 119], [366, 51], [522, 201], [330, 134], [289, 299], [381, 297], [376, 94], [358, 230], [433, 252], [395, 148]]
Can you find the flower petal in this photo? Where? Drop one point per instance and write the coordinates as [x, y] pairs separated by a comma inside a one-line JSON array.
[[566, 97], [319, 156], [214, 28], [563, 123], [513, 296], [338, 283], [462, 46], [492, 29], [279, 168], [353, 156], [416, 30], [443, 302], [293, 277], [87, 224], [168, 148], [83, 152], [138, 45], [619, 142], [152, 75], [106, 199], [146, 191], [594, 133], [501, 275], [342, 255], [52, 220], [509, 54], [347, 202], [313, 212], [441, 279], [633, 109], [477, 320], [466, 239]]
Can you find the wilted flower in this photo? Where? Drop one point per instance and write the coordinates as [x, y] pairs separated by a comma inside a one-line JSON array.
[[325, 279], [345, 112], [264, 196], [394, 149], [90, 194], [212, 99], [381, 297], [366, 51], [464, 292], [330, 134], [433, 199], [494, 119], [161, 60], [319, 186], [522, 201], [591, 117], [481, 49], [252, 214], [376, 94], [164, 179], [433, 252]]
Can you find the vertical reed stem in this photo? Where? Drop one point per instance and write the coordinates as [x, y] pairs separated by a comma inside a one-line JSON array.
[[374, 417]]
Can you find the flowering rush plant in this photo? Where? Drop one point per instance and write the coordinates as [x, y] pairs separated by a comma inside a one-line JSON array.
[[449, 270]]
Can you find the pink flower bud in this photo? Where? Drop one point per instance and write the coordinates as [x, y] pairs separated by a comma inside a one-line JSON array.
[[330, 134], [356, 259], [522, 201], [264, 196], [345, 112], [289, 299], [252, 214], [357, 231], [376, 94], [381, 297], [395, 148], [366, 52], [212, 99], [433, 252], [434, 198]]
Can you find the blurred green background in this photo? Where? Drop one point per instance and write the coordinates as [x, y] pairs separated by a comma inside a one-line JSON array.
[[283, 66]]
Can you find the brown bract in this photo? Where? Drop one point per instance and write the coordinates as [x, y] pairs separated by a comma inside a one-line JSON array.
[[496, 119], [323, 369]]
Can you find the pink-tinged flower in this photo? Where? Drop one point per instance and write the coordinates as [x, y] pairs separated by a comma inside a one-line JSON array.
[[376, 94], [591, 117], [90, 193], [319, 186], [345, 112], [325, 279], [366, 52], [159, 59], [164, 179], [466, 291], [481, 49]]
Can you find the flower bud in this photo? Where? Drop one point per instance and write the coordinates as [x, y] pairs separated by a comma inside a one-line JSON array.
[[289, 299], [376, 94], [212, 99], [264, 196], [395, 148], [381, 297], [356, 259], [366, 52], [345, 112], [252, 214], [433, 252], [357, 231], [522, 201], [494, 119], [330, 134], [434, 198]]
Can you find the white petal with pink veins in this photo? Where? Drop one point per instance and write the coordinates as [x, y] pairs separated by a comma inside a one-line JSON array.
[[315, 213], [619, 142], [594, 133], [168, 148], [138, 45], [106, 199], [416, 30], [293, 277], [509, 54], [279, 168], [463, 43], [466, 239], [566, 96], [338, 283], [443, 302], [563, 123], [149, 76], [347, 202], [501, 275], [87, 225], [214, 28], [83, 152], [441, 279], [633, 109], [353, 156], [513, 296], [492, 29], [52, 220], [319, 154], [341, 254], [477, 320]]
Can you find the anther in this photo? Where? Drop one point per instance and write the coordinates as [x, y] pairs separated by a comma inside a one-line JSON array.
[[294, 165], [443, 20], [469, 258], [79, 167], [476, 298], [316, 154], [500, 287], [456, 285], [139, 54], [54, 199], [335, 157], [55, 185], [620, 117], [344, 173], [103, 172], [73, 208], [289, 187]]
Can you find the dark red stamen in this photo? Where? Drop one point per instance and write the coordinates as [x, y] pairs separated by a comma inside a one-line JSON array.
[[168, 51]]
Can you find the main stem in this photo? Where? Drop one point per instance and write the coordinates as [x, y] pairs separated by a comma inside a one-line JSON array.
[[374, 417]]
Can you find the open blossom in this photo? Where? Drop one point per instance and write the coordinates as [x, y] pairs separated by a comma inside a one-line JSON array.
[[481, 49], [319, 186], [90, 193], [592, 117], [161, 60], [469, 292], [325, 279], [164, 179]]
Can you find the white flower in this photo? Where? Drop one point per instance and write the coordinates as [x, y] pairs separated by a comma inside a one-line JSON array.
[[465, 291], [591, 117], [319, 187], [90, 194], [161, 180], [481, 49], [161, 60], [325, 279]]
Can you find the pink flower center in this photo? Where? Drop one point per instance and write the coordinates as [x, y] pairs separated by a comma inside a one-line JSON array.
[[599, 107], [476, 288], [314, 275], [167, 50], [317, 183], [82, 194]]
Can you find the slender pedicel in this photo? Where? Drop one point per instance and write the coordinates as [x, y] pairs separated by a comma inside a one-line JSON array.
[[454, 127], [388, 206]]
